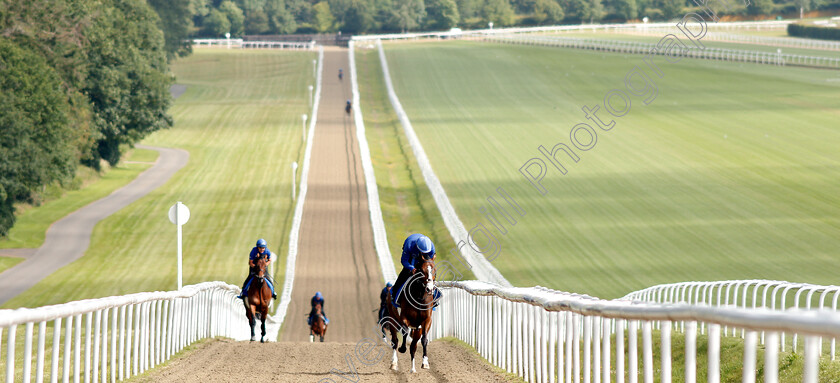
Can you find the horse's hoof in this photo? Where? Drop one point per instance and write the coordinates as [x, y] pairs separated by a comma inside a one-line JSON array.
[[311, 339], [394, 367], [262, 340], [425, 365], [413, 370], [402, 350], [253, 339]]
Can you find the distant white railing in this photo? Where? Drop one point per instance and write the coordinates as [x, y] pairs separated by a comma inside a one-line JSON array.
[[610, 28], [481, 267], [636, 47], [789, 42], [240, 43], [380, 235], [123, 336], [549, 336]]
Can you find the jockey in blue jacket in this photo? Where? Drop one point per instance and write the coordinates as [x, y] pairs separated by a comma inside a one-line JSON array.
[[416, 246], [382, 296], [317, 299], [259, 250]]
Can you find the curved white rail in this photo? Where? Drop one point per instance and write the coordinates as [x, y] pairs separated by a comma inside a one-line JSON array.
[[123, 336], [481, 267], [380, 237], [550, 336]]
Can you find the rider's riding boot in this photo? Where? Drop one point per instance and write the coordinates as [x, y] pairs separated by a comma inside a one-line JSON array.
[[273, 296]]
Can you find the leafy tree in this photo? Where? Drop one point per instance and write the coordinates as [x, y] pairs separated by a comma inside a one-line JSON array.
[[36, 141], [671, 8], [128, 83], [216, 24], [358, 18], [760, 7], [176, 23], [548, 11], [408, 14], [499, 12], [256, 22], [625, 9], [280, 21], [442, 14], [324, 20], [236, 17]]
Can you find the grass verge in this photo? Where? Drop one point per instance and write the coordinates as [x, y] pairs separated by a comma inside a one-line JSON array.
[[407, 203]]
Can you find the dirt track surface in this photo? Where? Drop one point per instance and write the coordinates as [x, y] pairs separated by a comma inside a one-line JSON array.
[[336, 254], [227, 361], [68, 238]]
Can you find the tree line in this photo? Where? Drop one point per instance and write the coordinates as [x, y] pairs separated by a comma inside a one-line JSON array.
[[80, 80], [215, 18]]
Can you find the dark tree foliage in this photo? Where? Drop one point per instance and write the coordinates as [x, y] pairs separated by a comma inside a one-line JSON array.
[[128, 83], [442, 14], [36, 141], [176, 22]]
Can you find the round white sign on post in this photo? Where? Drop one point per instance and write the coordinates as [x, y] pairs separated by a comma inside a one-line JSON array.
[[179, 214]]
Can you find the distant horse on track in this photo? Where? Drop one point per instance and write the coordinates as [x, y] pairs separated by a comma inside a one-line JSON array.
[[259, 296], [416, 302], [318, 326]]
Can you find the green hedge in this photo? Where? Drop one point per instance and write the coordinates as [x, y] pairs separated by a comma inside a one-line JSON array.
[[814, 32]]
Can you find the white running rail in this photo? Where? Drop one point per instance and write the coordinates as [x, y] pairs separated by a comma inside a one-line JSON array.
[[239, 43], [549, 336], [294, 232], [709, 53], [608, 28], [747, 294], [380, 237], [123, 335], [482, 268]]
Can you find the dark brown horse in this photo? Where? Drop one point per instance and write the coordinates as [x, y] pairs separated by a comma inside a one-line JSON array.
[[416, 301], [318, 326], [259, 296]]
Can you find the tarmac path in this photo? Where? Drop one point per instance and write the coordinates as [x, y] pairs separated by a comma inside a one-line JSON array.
[[336, 252], [68, 238]]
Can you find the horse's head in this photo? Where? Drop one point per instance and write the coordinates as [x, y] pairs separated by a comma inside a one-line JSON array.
[[259, 266], [318, 308], [427, 267]]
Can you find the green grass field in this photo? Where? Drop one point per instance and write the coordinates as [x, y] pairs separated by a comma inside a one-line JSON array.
[[240, 121], [32, 225], [407, 203], [708, 43], [731, 172]]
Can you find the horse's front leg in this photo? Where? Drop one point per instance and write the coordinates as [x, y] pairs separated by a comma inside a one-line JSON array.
[[405, 336], [395, 341], [425, 341], [262, 318], [415, 336], [252, 322]]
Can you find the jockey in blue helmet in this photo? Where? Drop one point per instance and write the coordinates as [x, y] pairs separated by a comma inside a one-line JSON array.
[[317, 299], [259, 250], [416, 246], [382, 296]]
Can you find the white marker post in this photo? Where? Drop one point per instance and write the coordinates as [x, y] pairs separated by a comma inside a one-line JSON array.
[[303, 116], [179, 214], [227, 37], [294, 177], [310, 95]]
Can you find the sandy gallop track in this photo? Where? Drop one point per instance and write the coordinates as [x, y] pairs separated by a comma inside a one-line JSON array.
[[336, 254], [229, 361]]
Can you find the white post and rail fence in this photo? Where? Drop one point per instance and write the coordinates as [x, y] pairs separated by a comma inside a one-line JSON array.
[[539, 334], [549, 336], [123, 336]]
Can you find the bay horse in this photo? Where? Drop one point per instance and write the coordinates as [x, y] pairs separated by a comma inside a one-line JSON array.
[[259, 296], [318, 326], [416, 301]]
